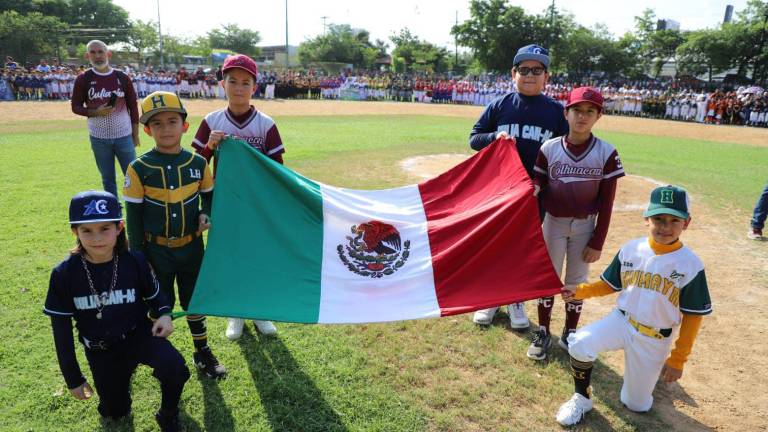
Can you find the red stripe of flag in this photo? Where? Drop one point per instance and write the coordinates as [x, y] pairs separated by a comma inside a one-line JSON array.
[[485, 233]]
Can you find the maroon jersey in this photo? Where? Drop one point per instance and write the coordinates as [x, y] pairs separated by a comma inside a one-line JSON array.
[[579, 180], [96, 92], [253, 127]]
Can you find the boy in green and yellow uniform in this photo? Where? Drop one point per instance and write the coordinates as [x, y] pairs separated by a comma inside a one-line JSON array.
[[168, 193]]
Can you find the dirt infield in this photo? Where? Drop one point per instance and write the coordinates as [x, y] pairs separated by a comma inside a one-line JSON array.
[[719, 388], [26, 111]]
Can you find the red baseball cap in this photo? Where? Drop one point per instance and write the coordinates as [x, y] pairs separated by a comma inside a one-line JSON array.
[[240, 61], [585, 94]]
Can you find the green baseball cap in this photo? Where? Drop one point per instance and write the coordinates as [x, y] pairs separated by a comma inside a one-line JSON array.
[[672, 200]]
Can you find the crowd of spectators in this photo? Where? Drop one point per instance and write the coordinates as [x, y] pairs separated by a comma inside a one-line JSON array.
[[650, 98]]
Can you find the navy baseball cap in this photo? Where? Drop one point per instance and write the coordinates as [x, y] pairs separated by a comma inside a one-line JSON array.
[[532, 52], [671, 200], [94, 206]]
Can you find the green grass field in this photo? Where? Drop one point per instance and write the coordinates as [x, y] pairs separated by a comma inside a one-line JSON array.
[[437, 375]]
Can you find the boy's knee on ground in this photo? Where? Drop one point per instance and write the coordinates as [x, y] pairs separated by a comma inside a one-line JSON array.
[[579, 347]]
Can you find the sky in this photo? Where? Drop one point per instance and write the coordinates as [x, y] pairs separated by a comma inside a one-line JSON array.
[[431, 20]]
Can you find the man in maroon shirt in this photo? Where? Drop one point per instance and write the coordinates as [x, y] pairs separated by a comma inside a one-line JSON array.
[[113, 128]]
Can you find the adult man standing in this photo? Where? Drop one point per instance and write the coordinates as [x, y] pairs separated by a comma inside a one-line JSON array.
[[107, 97], [531, 118]]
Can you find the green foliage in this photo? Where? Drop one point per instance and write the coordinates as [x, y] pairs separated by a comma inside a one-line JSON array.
[[232, 37], [342, 44], [495, 31], [143, 36], [419, 55], [19, 42]]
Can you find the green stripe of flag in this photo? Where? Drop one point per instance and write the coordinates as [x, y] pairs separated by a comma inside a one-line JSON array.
[[288, 209]]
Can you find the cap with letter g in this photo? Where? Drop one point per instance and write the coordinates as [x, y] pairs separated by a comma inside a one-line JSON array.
[[671, 200], [161, 101], [532, 52], [94, 206]]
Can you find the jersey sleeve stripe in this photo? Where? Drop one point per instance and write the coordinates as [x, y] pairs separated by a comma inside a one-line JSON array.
[[53, 312], [697, 312], [614, 174], [610, 284], [197, 143], [275, 150], [157, 290], [539, 170], [133, 200]]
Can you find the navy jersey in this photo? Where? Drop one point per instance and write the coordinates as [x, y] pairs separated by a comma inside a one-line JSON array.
[[531, 120], [69, 295]]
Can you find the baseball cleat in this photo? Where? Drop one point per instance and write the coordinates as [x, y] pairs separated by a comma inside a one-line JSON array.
[[518, 320], [755, 234], [265, 327], [573, 411], [234, 328], [209, 364], [540, 345], [484, 316], [563, 341]]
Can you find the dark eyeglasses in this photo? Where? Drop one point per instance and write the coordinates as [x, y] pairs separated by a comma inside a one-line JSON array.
[[534, 70]]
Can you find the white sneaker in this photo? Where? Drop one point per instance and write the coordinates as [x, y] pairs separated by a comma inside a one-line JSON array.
[[573, 411], [518, 320], [234, 328], [484, 316], [265, 327]]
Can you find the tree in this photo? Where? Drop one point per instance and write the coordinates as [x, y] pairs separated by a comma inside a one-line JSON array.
[[143, 35], [342, 44], [19, 42], [234, 38], [495, 31], [704, 51], [417, 54], [655, 47], [96, 19], [586, 51]]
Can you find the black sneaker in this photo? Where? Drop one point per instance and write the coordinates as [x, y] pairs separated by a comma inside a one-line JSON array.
[[168, 422], [539, 346], [208, 364], [563, 341]]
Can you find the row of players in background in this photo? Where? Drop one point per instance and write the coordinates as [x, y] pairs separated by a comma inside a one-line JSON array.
[[740, 107], [34, 85]]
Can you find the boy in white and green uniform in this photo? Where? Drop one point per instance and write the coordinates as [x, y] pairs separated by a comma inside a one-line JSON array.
[[661, 285]]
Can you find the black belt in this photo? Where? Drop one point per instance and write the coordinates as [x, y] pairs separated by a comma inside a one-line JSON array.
[[106, 344]]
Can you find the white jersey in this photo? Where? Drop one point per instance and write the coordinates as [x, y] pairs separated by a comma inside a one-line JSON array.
[[657, 289]]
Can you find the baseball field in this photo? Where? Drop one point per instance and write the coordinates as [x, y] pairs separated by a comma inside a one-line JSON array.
[[429, 375]]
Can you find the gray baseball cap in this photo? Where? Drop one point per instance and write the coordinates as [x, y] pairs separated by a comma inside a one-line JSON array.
[[532, 52]]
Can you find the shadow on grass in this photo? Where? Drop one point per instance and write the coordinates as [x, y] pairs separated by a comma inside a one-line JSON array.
[[606, 384], [290, 398], [217, 415]]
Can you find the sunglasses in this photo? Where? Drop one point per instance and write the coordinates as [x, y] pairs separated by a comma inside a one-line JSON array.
[[528, 70]]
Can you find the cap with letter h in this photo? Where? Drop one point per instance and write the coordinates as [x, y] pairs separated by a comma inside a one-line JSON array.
[[671, 200], [161, 101], [94, 206]]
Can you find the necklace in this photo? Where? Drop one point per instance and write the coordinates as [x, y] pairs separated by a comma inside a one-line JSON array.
[[101, 299]]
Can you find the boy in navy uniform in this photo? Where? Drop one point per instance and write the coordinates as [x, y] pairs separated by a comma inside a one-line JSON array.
[[531, 118]]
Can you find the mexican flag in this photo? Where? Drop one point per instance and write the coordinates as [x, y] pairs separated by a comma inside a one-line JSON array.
[[286, 248]]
